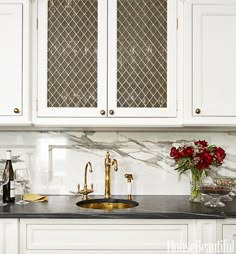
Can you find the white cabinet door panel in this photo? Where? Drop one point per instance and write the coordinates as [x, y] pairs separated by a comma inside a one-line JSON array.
[[10, 59], [229, 237], [72, 58], [105, 237], [9, 236], [142, 58], [214, 60]]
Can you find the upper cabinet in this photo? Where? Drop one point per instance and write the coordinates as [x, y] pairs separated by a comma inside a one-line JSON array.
[[113, 60], [142, 55], [118, 63], [14, 62], [210, 62]]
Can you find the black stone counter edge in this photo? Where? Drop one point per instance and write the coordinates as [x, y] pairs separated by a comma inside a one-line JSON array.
[[150, 207], [116, 216]]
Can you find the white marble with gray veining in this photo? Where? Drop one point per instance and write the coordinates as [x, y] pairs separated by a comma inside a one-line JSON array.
[[56, 160]]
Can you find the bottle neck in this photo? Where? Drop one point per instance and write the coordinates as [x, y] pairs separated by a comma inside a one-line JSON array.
[[8, 155]]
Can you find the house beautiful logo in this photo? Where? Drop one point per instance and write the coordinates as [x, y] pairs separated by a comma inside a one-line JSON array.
[[223, 246]]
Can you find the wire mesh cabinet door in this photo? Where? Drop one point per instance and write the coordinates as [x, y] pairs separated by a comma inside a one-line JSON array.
[[72, 58], [142, 55]]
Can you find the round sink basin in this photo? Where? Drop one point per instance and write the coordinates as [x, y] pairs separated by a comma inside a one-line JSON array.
[[107, 204]]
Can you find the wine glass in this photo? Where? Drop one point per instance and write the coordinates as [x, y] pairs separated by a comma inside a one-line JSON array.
[[22, 178], [4, 178]]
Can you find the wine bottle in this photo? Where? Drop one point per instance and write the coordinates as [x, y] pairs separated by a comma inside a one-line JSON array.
[[9, 188]]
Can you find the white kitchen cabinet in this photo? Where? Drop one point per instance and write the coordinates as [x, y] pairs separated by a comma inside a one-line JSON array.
[[229, 237], [226, 234], [54, 236], [210, 62], [9, 236], [14, 62], [102, 64], [127, 236]]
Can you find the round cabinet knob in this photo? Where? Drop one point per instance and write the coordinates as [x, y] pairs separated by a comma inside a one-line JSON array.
[[16, 110], [198, 111], [111, 112], [102, 112]]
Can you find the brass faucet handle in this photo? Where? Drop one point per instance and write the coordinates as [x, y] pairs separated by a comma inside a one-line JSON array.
[[115, 164], [107, 155], [85, 192], [129, 177]]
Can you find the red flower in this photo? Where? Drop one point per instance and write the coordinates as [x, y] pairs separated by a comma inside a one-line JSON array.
[[198, 157], [201, 142], [188, 151], [199, 166], [219, 155], [206, 159], [219, 152], [173, 151]]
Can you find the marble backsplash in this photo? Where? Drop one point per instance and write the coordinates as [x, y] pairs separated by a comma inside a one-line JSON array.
[[56, 160]]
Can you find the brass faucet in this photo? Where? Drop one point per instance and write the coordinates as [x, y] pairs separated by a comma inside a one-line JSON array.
[[85, 190], [108, 163]]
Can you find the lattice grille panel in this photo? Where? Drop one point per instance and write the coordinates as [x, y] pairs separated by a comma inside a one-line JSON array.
[[72, 53], [142, 53]]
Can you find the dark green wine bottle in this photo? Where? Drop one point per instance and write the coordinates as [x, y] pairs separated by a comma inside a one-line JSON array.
[[9, 188]]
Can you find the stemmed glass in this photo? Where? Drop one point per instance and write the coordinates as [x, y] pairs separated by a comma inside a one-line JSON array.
[[215, 191], [22, 178], [4, 178], [225, 181]]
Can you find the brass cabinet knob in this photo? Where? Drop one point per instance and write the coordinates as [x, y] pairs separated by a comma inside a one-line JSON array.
[[16, 110], [198, 111], [102, 112], [111, 112]]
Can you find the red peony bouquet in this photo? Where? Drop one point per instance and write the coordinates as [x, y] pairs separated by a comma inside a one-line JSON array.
[[198, 157]]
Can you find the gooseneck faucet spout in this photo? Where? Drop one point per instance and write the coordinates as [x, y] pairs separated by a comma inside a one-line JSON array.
[[85, 172], [108, 164], [85, 190]]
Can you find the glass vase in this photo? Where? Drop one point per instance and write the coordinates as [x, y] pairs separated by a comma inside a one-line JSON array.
[[195, 194]]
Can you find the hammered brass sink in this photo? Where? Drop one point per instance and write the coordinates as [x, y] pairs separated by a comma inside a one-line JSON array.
[[107, 204]]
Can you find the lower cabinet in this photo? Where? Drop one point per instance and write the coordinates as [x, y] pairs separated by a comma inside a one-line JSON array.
[[117, 236], [227, 235], [102, 236], [9, 236]]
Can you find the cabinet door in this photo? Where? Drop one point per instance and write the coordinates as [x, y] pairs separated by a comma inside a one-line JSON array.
[[142, 49], [229, 238], [11, 77], [101, 236], [9, 236], [72, 58], [214, 60]]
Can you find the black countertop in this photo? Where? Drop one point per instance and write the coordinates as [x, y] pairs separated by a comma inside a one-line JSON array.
[[150, 207]]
